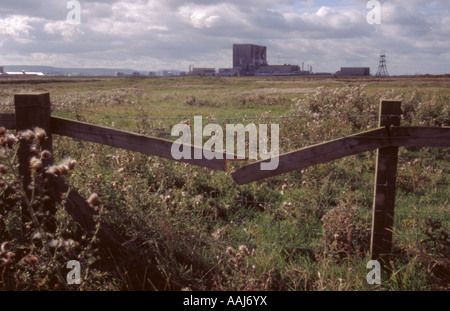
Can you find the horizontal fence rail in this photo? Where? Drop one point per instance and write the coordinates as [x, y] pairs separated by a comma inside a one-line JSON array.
[[131, 141], [350, 145]]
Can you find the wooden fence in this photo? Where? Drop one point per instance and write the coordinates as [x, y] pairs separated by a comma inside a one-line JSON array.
[[34, 110]]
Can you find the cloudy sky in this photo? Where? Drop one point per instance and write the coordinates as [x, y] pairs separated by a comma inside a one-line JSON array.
[[173, 34]]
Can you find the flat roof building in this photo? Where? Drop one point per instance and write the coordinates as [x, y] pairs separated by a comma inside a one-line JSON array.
[[203, 72], [354, 71], [24, 73]]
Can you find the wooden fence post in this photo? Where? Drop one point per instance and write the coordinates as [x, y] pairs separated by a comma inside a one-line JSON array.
[[385, 183], [32, 110]]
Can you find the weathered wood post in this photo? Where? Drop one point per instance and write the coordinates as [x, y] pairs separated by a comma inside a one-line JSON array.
[[32, 111], [385, 184]]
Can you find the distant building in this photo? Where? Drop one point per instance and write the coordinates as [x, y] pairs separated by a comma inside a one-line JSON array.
[[251, 60], [354, 71], [278, 70], [23, 73], [203, 72], [249, 57], [228, 72], [1, 71]]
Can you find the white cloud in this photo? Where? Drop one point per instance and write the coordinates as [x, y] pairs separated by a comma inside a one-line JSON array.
[[66, 31], [152, 33], [17, 28]]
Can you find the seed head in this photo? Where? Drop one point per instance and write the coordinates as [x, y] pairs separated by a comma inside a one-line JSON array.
[[45, 155], [41, 136], [63, 169], [94, 200], [8, 140], [6, 246], [36, 164], [27, 135], [53, 170], [244, 250], [71, 163]]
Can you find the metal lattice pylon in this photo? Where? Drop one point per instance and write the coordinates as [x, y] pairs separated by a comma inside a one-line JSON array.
[[382, 69]]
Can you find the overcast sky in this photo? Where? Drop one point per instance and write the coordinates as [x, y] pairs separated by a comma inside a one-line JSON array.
[[173, 34]]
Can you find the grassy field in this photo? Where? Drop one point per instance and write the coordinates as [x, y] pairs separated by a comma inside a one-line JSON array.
[[305, 230]]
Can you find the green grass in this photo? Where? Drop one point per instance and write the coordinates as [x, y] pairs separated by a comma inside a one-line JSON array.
[[187, 217]]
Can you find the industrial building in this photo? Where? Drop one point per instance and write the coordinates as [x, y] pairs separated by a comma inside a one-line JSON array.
[[354, 71], [1, 71], [278, 70], [228, 72], [249, 57], [250, 60], [210, 72]]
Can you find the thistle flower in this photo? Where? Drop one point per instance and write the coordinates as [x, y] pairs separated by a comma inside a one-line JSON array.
[[27, 135], [8, 140], [94, 200], [71, 163], [5, 247], [41, 136], [45, 155], [2, 169], [53, 170], [63, 169], [36, 164], [243, 249]]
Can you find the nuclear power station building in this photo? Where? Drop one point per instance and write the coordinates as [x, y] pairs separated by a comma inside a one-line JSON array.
[[249, 57], [250, 60]]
